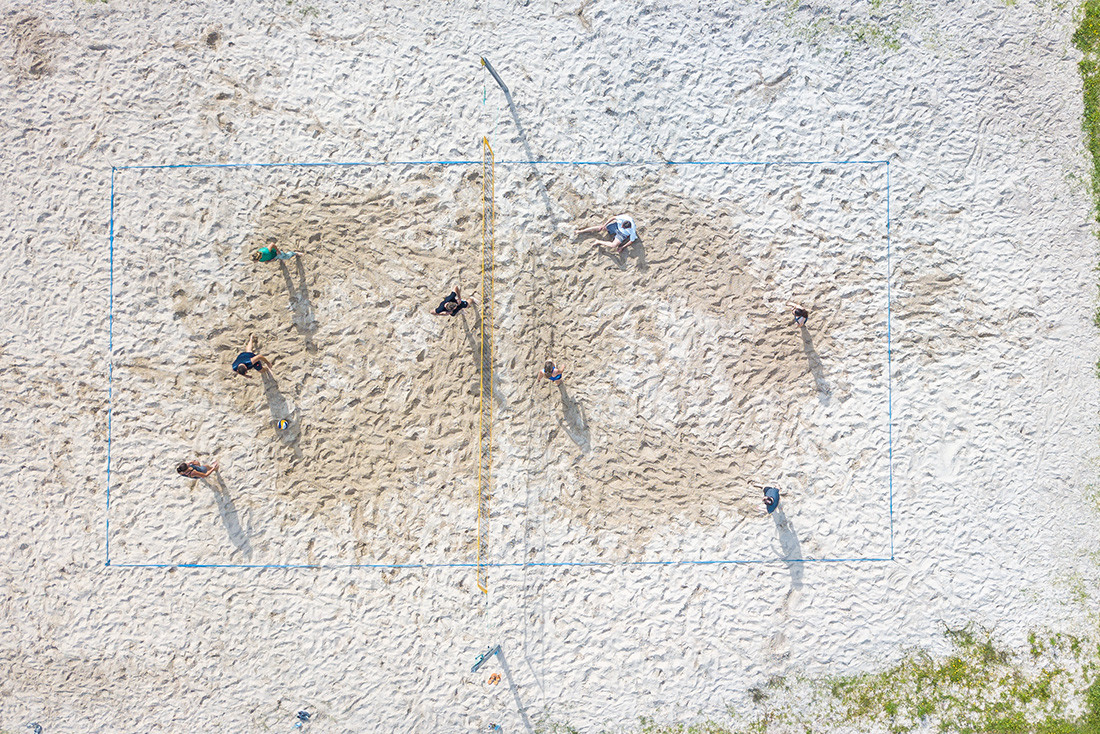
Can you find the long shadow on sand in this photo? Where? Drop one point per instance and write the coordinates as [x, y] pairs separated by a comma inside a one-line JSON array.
[[238, 536], [574, 423], [534, 607], [530, 155], [816, 368], [281, 409], [304, 320], [790, 547], [515, 693]]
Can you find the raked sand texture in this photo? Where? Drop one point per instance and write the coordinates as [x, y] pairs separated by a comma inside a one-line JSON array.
[[686, 385]]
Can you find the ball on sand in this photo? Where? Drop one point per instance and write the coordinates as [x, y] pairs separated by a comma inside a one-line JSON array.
[[283, 424]]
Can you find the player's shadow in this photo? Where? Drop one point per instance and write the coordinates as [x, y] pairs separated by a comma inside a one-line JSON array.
[[238, 536], [621, 259], [515, 693], [790, 548], [816, 367], [304, 320], [281, 410], [483, 368], [637, 252], [574, 423]]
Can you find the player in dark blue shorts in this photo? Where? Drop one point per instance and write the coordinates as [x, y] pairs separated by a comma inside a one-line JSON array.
[[771, 499], [451, 305], [249, 360]]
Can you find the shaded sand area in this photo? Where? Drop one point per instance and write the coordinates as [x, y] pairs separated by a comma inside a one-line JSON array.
[[380, 396]]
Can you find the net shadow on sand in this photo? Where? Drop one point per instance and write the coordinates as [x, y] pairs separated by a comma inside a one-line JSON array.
[[515, 693], [483, 360]]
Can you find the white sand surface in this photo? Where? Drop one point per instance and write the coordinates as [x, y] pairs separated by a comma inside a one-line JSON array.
[[963, 467]]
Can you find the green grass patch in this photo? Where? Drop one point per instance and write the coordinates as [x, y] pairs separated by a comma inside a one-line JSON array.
[[873, 30], [978, 687], [1087, 40]]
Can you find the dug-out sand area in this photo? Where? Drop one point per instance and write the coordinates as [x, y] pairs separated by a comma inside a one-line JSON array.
[[381, 397], [686, 384]]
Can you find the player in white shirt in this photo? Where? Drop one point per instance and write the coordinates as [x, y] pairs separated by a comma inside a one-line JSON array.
[[620, 227]]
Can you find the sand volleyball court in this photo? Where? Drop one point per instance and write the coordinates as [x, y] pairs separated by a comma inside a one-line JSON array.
[[687, 385]]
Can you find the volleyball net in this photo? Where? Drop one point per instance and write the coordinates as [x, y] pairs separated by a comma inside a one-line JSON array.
[[485, 420]]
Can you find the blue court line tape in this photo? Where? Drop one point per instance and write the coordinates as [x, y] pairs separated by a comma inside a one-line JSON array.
[[543, 564], [304, 164], [311, 164], [890, 450], [690, 163], [889, 370], [110, 360]]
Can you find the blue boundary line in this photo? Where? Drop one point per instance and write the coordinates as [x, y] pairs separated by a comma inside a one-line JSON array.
[[110, 362], [544, 564], [309, 164], [889, 371], [305, 164], [693, 163]]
